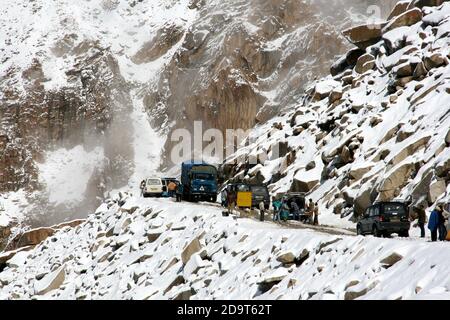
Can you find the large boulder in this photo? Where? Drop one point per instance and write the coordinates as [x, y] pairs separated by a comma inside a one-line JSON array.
[[50, 281], [193, 247], [437, 188], [362, 200], [425, 3], [395, 180], [399, 8], [33, 237], [407, 18], [286, 257], [434, 60], [409, 150], [357, 172], [347, 61], [365, 63], [364, 36], [304, 184]]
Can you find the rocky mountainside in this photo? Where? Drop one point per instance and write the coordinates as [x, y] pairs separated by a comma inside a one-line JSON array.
[[80, 82], [377, 128], [134, 248]]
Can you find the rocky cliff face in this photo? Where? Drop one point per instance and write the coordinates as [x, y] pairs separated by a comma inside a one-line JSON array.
[[376, 129], [239, 63]]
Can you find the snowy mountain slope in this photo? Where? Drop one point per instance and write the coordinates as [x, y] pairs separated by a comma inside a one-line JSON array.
[[79, 76], [377, 130], [159, 249], [67, 70]]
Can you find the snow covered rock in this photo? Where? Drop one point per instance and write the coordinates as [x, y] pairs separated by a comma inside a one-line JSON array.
[[286, 258], [193, 247], [364, 36], [49, 282], [407, 18]]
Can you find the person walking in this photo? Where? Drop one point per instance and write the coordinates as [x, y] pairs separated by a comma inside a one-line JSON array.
[[316, 214], [179, 192], [276, 209], [433, 224], [421, 217], [262, 211]]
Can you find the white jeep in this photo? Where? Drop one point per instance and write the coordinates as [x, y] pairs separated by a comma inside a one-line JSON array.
[[153, 187]]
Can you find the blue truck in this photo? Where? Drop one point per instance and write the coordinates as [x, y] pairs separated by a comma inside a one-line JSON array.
[[199, 181]]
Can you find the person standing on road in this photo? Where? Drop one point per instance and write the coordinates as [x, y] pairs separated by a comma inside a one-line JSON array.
[[223, 196], [433, 224], [446, 214], [142, 186], [231, 201], [441, 221], [262, 211], [284, 212], [316, 214], [171, 187], [421, 218], [295, 210], [310, 211], [179, 192], [276, 209]]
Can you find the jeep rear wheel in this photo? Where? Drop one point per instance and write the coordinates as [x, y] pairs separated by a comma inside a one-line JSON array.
[[359, 230], [404, 234], [376, 232]]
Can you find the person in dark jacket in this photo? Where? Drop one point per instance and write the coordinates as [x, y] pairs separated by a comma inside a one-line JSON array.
[[316, 214], [441, 223], [276, 203], [179, 192], [433, 224], [295, 210], [421, 217], [142, 187]]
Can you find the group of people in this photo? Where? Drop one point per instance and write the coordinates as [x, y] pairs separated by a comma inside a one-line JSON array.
[[438, 223], [282, 210]]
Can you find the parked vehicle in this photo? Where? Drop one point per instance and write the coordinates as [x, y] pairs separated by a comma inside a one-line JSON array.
[[153, 188], [243, 194], [166, 182], [299, 199], [385, 218], [199, 181], [260, 194]]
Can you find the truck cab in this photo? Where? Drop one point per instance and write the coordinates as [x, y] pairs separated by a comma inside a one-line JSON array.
[[199, 181]]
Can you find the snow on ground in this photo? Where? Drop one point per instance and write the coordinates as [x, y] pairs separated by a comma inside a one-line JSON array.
[[159, 249], [66, 173]]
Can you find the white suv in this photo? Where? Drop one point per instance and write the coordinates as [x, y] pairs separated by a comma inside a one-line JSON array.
[[153, 187]]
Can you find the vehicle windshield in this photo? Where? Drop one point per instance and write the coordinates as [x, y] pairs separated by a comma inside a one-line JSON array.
[[242, 188], [259, 190], [154, 181], [203, 176], [398, 208]]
